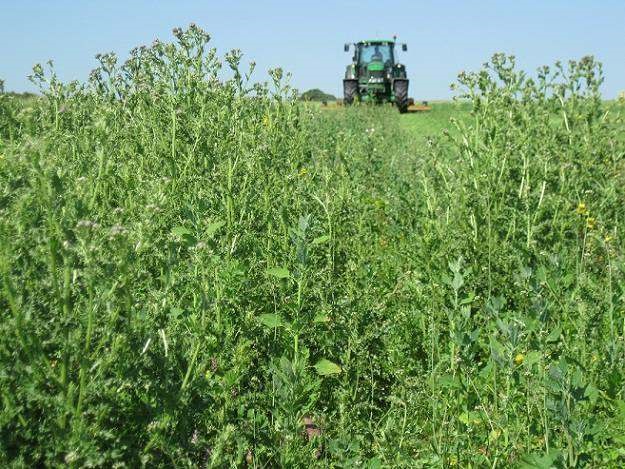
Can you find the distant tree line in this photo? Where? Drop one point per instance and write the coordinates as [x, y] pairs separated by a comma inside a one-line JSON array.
[[25, 94], [317, 95]]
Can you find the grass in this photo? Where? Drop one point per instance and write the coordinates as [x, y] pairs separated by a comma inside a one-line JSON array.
[[198, 272], [423, 124], [433, 123]]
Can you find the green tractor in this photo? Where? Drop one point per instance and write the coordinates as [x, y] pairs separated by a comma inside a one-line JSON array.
[[375, 75]]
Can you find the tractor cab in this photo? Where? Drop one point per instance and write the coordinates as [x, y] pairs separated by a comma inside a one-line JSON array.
[[378, 52]]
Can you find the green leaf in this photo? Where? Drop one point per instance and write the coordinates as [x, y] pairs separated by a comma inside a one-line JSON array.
[[458, 281], [175, 312], [470, 418], [213, 228], [279, 272], [327, 368], [270, 320], [184, 235], [448, 381], [321, 317], [554, 336], [531, 358], [468, 299], [320, 240], [180, 231], [497, 350], [540, 461], [487, 370], [592, 393]]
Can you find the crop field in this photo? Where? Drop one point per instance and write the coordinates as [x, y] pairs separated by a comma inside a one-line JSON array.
[[199, 270]]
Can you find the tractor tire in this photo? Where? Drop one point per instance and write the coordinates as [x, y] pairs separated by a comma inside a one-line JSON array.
[[350, 91], [400, 88]]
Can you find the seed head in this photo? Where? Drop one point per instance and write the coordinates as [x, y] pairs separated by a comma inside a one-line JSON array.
[[87, 224], [117, 230]]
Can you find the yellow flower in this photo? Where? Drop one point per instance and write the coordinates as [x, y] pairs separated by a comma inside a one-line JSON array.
[[266, 120], [608, 238], [303, 172], [519, 359], [591, 223], [581, 209]]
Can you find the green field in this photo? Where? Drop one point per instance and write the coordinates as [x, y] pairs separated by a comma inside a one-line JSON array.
[[433, 123], [207, 273]]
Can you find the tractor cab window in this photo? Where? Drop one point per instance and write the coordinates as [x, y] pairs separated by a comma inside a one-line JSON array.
[[375, 53]]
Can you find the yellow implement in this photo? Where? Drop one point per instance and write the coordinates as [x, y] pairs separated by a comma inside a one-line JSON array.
[[423, 107], [412, 106]]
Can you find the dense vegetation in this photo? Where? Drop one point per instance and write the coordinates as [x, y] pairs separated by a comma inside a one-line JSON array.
[[191, 269]]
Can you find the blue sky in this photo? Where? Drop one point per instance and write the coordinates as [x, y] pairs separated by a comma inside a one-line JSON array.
[[306, 38]]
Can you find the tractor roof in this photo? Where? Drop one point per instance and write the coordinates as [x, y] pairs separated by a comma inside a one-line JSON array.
[[376, 41]]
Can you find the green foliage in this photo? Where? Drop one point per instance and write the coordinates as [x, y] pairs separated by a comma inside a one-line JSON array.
[[327, 368], [191, 268]]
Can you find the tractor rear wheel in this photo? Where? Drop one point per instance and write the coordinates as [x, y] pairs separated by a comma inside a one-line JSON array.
[[400, 87], [350, 91]]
